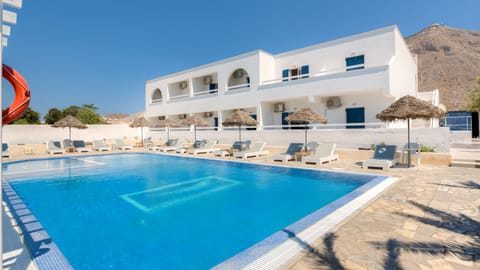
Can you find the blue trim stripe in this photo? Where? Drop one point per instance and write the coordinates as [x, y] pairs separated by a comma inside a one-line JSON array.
[[43, 250]]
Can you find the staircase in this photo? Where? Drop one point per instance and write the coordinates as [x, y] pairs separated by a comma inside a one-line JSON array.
[[465, 154]]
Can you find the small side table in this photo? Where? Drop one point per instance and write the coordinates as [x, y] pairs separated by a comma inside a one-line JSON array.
[[299, 155]]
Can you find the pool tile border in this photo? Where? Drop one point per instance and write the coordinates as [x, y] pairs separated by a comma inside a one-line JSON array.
[[53, 258], [249, 256], [43, 250]]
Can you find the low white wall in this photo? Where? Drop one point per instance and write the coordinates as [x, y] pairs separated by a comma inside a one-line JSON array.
[[33, 134], [439, 138]]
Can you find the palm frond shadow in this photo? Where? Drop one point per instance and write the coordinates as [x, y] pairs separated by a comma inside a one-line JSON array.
[[460, 224], [327, 258], [466, 184]]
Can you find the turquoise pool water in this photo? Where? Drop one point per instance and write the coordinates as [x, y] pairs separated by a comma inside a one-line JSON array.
[[148, 211]]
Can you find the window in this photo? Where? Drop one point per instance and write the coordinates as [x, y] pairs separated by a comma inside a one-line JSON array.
[[295, 73], [157, 96], [355, 62]]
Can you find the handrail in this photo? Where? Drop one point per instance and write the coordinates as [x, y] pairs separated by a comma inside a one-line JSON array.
[[206, 92], [325, 126], [179, 97], [237, 86], [159, 100]]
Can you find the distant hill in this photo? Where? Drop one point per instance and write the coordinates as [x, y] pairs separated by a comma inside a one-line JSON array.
[[121, 118], [448, 60]]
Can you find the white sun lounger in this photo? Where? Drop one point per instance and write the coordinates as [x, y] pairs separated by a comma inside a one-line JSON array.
[[172, 147], [289, 154], [5, 152], [323, 153], [208, 148], [99, 145], [54, 147], [384, 157], [120, 144], [255, 150], [80, 146]]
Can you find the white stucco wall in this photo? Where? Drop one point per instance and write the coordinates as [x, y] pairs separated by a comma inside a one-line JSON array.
[[440, 138], [33, 134]]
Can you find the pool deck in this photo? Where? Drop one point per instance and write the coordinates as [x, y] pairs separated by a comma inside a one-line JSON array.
[[429, 219]]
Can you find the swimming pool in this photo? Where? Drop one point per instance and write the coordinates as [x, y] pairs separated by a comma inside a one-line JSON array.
[[150, 211]]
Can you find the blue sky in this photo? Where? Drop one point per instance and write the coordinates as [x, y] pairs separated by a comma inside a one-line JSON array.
[[103, 51]]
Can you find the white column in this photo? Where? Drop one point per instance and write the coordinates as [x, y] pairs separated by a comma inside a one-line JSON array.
[[190, 87], [259, 117], [220, 120]]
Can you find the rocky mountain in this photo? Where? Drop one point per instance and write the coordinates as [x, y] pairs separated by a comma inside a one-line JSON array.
[[448, 60]]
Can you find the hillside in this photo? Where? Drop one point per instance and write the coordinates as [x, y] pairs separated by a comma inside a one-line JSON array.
[[448, 60]]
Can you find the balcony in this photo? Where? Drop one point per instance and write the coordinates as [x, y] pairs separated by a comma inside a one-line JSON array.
[[323, 73]]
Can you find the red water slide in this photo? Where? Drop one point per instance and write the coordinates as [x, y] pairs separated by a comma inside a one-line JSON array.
[[22, 95]]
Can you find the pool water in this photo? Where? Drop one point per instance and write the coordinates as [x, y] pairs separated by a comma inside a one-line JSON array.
[[148, 211]]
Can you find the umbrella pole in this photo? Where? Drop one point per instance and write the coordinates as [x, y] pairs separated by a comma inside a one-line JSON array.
[[305, 146], [168, 133], [141, 132], [239, 133], [408, 143], [70, 133], [194, 133]]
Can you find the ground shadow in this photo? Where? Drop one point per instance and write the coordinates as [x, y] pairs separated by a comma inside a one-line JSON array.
[[459, 224], [466, 184], [326, 259]]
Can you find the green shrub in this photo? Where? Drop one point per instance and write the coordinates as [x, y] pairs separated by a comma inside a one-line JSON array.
[[426, 148]]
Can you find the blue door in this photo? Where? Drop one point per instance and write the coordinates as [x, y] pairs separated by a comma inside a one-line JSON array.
[[254, 116], [215, 120], [285, 123], [355, 115]]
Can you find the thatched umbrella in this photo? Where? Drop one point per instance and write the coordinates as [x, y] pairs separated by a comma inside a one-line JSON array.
[[196, 121], [167, 123], [306, 116], [409, 107], [69, 121], [140, 122], [239, 118]]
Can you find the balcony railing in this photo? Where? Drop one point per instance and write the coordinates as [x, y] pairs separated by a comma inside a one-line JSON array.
[[206, 92], [179, 97], [154, 101], [238, 86], [309, 76]]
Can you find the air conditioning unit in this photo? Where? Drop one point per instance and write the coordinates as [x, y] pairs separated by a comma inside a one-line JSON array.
[[182, 116], [208, 114], [183, 85], [238, 74], [207, 80], [161, 117], [333, 102], [278, 107]]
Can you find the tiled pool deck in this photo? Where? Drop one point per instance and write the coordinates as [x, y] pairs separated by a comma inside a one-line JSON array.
[[430, 219]]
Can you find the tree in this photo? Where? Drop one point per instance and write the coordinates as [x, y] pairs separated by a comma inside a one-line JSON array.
[[89, 107], [29, 117], [88, 116], [472, 98], [72, 110], [53, 115]]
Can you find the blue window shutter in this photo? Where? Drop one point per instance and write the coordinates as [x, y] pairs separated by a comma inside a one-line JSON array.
[[305, 70], [356, 61], [285, 75]]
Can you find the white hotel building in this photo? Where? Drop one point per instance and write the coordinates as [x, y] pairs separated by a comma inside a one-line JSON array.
[[348, 80]]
